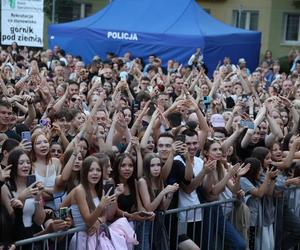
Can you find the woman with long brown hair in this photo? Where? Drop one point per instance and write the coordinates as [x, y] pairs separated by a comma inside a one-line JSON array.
[[44, 167], [155, 198], [214, 184], [88, 204]]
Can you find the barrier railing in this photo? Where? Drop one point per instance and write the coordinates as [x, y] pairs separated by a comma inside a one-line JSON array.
[[54, 237], [206, 225]]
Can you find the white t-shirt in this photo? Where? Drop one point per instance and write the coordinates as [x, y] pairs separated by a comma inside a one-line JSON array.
[[185, 200]]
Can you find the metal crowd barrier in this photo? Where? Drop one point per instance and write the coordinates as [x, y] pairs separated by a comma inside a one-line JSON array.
[[44, 240], [175, 224]]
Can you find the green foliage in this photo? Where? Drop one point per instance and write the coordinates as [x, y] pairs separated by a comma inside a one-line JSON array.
[[48, 8], [63, 9]]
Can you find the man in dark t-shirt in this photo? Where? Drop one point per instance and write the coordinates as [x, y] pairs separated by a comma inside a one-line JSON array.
[[5, 119]]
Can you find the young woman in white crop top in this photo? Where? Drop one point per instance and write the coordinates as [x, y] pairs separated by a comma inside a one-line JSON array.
[[45, 168]]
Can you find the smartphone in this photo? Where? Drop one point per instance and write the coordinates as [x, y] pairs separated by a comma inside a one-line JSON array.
[[245, 98], [180, 138], [136, 106], [206, 100], [273, 168], [109, 186], [123, 75], [145, 214], [247, 124], [30, 180], [26, 135], [97, 79], [63, 213], [150, 89], [44, 122], [152, 107]]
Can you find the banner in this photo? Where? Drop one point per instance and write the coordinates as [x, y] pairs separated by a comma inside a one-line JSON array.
[[22, 22]]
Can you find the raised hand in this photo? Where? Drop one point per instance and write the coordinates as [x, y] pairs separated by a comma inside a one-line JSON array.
[[135, 142], [107, 199], [209, 166], [25, 145], [272, 174], [234, 170], [30, 192], [5, 173], [119, 189], [243, 169], [171, 188]]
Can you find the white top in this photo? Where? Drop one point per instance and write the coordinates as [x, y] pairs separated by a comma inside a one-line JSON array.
[[28, 211], [48, 180], [191, 199], [225, 195]]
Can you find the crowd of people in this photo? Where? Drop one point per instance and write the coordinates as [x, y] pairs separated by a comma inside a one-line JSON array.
[[114, 143]]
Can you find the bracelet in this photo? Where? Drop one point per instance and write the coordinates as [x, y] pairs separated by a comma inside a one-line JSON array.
[[98, 219]]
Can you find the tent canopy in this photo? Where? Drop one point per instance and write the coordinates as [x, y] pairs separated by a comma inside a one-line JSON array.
[[169, 29]]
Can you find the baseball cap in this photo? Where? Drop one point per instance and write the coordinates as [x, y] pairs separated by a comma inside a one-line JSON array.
[[217, 121], [242, 60]]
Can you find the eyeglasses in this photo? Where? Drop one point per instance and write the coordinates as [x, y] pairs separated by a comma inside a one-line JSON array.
[[75, 99]]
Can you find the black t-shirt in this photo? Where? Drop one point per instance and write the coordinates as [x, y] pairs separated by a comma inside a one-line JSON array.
[[174, 96], [126, 202], [176, 176], [244, 153], [12, 134]]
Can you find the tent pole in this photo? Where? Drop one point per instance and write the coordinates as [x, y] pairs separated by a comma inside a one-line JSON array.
[[53, 11]]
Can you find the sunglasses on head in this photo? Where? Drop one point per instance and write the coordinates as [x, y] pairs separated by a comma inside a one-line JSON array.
[[213, 139], [73, 99]]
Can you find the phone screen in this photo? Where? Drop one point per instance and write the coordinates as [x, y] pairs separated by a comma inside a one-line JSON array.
[[26, 135], [30, 179], [63, 213], [180, 138], [44, 122]]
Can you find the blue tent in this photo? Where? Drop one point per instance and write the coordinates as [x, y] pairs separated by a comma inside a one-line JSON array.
[[170, 29]]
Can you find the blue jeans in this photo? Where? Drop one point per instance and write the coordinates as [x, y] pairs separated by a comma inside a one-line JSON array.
[[288, 228], [143, 233], [214, 225]]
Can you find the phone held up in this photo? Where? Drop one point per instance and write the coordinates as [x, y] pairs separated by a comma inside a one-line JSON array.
[[30, 180], [26, 137]]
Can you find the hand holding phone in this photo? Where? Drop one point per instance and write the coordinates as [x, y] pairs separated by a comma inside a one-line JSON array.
[[145, 214], [63, 213], [180, 138], [109, 189]]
